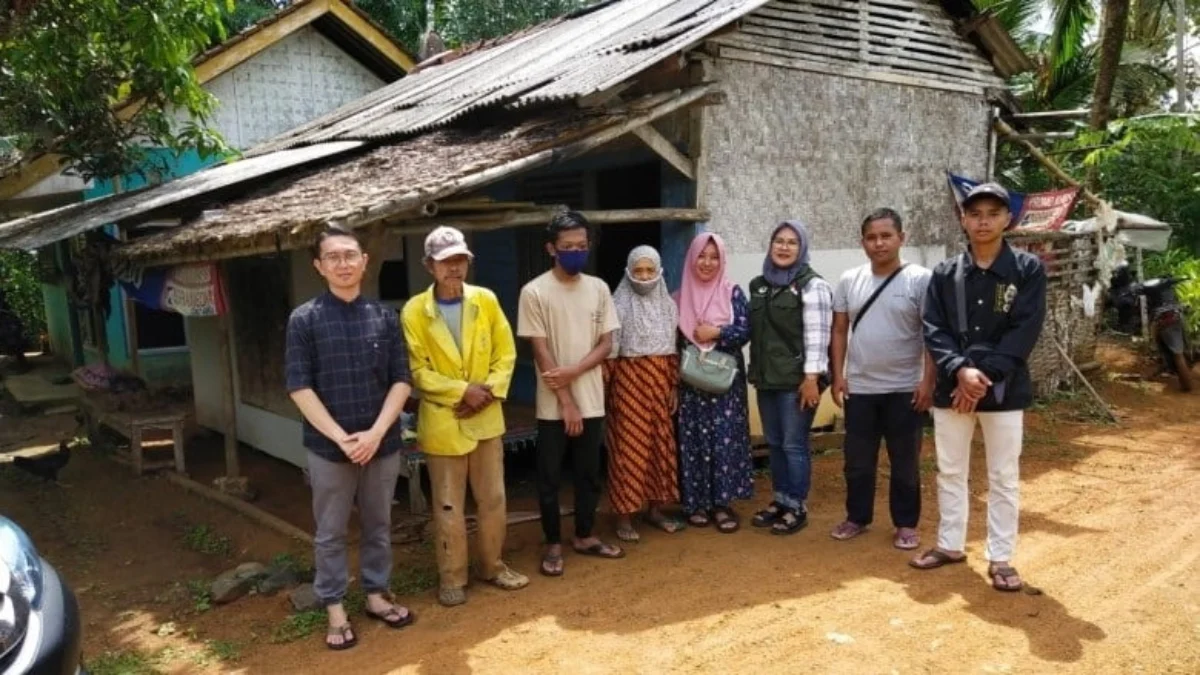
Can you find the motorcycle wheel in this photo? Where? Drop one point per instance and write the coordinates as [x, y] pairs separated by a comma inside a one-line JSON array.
[[1183, 371]]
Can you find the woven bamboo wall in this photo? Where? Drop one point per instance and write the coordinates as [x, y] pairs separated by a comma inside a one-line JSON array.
[[1070, 264]]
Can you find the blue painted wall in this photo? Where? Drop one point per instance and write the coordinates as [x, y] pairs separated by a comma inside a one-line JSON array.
[[156, 367]]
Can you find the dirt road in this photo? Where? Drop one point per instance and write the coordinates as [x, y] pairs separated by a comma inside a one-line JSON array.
[[1109, 535]]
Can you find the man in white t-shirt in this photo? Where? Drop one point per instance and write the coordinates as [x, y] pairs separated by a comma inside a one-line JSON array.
[[569, 319], [882, 377]]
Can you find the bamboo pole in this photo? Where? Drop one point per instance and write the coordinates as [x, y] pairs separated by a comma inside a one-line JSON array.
[[1004, 130], [254, 513], [541, 216], [1095, 394]]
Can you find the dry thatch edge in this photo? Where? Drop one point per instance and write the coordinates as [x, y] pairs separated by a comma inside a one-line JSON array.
[[412, 204]]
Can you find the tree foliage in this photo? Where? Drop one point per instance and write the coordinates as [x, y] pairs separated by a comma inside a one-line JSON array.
[[23, 291], [68, 67]]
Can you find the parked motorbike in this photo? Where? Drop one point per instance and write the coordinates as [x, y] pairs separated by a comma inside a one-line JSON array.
[[1170, 331]]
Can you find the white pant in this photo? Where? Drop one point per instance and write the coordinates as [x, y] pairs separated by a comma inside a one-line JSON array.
[[1002, 433]]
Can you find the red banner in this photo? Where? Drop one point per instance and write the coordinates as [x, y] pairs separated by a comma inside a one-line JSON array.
[[1047, 210]]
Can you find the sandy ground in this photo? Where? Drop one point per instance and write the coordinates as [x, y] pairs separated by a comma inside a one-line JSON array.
[[1109, 536]]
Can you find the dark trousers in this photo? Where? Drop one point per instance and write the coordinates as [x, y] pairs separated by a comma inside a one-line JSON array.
[[871, 418], [553, 444]]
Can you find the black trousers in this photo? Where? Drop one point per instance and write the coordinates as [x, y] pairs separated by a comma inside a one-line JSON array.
[[871, 418], [553, 444]]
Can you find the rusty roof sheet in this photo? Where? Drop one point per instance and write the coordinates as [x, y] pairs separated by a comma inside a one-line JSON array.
[[580, 54]]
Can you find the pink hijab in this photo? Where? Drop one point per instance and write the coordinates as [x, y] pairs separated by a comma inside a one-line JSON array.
[[703, 302]]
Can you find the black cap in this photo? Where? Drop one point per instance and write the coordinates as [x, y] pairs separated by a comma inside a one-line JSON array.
[[993, 190]]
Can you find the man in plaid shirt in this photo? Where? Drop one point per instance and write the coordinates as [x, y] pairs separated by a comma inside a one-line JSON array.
[[347, 371]]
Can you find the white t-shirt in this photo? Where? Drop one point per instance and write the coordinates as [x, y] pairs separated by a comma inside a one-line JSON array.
[[572, 317], [886, 354]]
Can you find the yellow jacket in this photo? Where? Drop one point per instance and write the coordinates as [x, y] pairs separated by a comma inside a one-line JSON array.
[[441, 374]]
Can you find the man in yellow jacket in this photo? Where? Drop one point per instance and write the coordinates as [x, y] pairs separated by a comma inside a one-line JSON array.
[[461, 353]]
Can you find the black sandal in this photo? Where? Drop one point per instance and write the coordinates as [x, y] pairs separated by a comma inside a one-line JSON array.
[[727, 525], [790, 522], [349, 639], [698, 519], [768, 515]]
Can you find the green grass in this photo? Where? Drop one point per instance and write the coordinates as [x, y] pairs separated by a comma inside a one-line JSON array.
[[223, 650], [204, 539], [201, 597], [123, 663], [417, 576], [299, 626]]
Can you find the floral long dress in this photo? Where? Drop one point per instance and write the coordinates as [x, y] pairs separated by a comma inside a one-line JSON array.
[[714, 430]]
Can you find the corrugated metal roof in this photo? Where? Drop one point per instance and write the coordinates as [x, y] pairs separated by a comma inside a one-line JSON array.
[[47, 227], [565, 59]]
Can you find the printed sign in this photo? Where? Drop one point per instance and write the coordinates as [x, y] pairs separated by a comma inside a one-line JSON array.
[[1037, 210], [190, 290]]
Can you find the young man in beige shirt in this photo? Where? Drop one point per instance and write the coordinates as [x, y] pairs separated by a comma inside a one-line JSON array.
[[569, 318]]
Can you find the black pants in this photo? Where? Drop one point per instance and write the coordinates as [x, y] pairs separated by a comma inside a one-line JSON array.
[[871, 418], [553, 444]]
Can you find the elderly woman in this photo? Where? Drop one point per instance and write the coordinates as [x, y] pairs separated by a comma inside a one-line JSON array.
[[643, 468], [791, 318], [714, 429]]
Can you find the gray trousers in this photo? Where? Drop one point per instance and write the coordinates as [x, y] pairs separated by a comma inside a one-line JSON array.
[[336, 487]]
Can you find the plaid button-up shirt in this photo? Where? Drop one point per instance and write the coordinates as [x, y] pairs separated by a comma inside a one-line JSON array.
[[350, 354]]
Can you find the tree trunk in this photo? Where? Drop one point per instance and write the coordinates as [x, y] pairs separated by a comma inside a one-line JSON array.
[[1112, 38]]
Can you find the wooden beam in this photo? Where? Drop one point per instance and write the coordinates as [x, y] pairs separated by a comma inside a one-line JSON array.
[[254, 513], [1042, 136], [21, 206], [664, 148], [482, 222], [1051, 115], [230, 57], [375, 37], [29, 174], [228, 391], [1008, 133]]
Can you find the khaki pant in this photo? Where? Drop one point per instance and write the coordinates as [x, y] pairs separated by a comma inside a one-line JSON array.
[[483, 467]]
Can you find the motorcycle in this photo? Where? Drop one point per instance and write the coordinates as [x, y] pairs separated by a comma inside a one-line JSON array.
[[1170, 331]]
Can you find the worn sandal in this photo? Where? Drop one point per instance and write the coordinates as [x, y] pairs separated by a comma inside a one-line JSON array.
[[726, 520], [790, 522], [666, 523], [349, 639], [698, 520], [601, 550], [1005, 574], [392, 618], [939, 558], [767, 516], [847, 530], [628, 535], [552, 565]]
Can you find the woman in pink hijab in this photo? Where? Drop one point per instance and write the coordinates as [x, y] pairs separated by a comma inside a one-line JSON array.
[[714, 429]]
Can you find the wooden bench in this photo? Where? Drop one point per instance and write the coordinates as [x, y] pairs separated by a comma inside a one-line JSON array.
[[133, 426]]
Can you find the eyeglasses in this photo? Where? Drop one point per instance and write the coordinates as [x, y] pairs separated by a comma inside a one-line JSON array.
[[349, 257], [786, 243]]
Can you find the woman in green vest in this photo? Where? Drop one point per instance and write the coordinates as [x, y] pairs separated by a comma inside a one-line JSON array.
[[791, 314]]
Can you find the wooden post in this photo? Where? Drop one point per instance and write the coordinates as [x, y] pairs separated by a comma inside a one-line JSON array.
[[1142, 309], [228, 392]]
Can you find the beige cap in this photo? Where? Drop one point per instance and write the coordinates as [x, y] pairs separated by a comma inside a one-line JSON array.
[[446, 242]]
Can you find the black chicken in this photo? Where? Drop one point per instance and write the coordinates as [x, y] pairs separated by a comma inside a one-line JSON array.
[[46, 466]]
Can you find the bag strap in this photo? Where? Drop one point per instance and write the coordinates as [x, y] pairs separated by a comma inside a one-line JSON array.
[[960, 298], [871, 300]]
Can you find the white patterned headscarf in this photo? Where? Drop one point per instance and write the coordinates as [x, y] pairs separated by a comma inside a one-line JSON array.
[[647, 313]]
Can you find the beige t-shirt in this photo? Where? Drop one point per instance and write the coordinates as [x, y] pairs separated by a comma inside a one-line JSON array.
[[572, 317]]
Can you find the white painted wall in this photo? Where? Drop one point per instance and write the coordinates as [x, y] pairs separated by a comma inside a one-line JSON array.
[[296, 80]]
